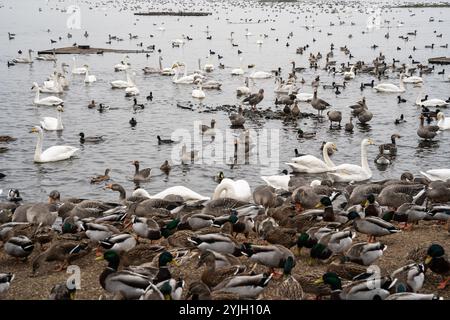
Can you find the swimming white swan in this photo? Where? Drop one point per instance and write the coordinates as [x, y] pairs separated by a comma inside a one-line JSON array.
[[243, 90], [198, 93], [430, 102], [89, 78], [121, 84], [278, 181], [305, 96], [351, 172], [390, 88], [47, 101], [152, 70], [123, 65], [436, 174], [238, 190], [260, 75], [50, 123], [185, 79], [186, 193], [413, 79], [55, 153], [311, 164], [443, 122], [286, 88], [53, 86], [208, 67], [132, 90], [238, 71], [350, 74], [23, 59], [77, 70]]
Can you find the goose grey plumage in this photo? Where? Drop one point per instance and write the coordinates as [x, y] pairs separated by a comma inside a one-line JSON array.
[[391, 148], [426, 132], [318, 104], [254, 98], [334, 116], [237, 119], [141, 175]]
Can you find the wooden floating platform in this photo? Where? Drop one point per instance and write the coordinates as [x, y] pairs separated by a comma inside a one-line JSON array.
[[88, 50], [439, 60], [174, 13]]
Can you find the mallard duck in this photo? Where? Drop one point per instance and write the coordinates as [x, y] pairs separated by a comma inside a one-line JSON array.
[[371, 207], [338, 241], [286, 237], [165, 167], [141, 253], [365, 253], [438, 262], [61, 291], [329, 213], [219, 242], [413, 296], [101, 178], [346, 270], [357, 290], [289, 289], [5, 281], [407, 213], [247, 287], [372, 226], [130, 285], [146, 228], [243, 224], [119, 242], [92, 139], [410, 277], [19, 247], [141, 175], [200, 291], [61, 251], [196, 221], [170, 289], [272, 256], [212, 276]]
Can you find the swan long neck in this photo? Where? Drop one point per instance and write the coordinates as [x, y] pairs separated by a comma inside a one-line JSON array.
[[224, 186], [326, 157], [364, 162], [402, 85], [59, 121], [36, 97], [38, 151]]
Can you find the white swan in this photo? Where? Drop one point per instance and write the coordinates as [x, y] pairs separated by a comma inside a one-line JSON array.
[[76, 70], [238, 190], [198, 93], [351, 172], [278, 181], [286, 88], [121, 84], [50, 123], [260, 75], [186, 193], [132, 91], [430, 102], [55, 153], [238, 71], [443, 122], [305, 96], [24, 60], [185, 79], [436, 174], [123, 65], [311, 164], [166, 71], [413, 79], [208, 67], [47, 101], [53, 86], [243, 90], [89, 78], [350, 74], [390, 88]]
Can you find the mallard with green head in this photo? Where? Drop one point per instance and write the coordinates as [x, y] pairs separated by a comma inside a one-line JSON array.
[[146, 228], [120, 242], [196, 221], [19, 247], [372, 226], [338, 241], [247, 287], [218, 242], [272, 256], [410, 278], [371, 207], [364, 253], [437, 261], [407, 213]]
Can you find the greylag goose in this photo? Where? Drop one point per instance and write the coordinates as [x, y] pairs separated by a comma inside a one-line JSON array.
[[334, 116], [254, 98], [318, 104], [141, 175], [391, 148], [426, 132], [349, 126], [237, 119]]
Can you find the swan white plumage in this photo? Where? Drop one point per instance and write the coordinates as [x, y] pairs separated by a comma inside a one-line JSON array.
[[186, 193], [238, 190], [305, 96], [436, 174], [132, 91], [77, 70], [238, 71], [198, 92], [208, 67], [286, 88], [311, 164], [53, 86], [260, 75], [123, 65], [55, 153], [278, 181], [52, 124], [443, 122], [390, 88], [121, 84], [413, 79], [430, 102], [350, 74], [185, 79], [23, 59], [47, 101], [351, 172], [89, 78], [243, 90]]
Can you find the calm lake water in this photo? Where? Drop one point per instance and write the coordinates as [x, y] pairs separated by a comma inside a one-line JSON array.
[[162, 116]]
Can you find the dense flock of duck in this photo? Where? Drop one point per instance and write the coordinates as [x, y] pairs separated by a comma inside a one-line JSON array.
[[242, 239]]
